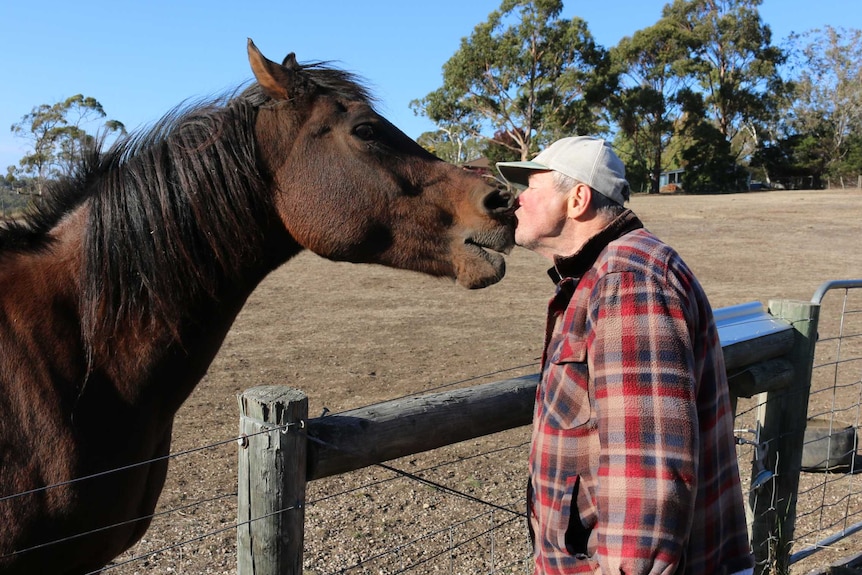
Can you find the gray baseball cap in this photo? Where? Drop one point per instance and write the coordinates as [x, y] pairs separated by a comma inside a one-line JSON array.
[[585, 158]]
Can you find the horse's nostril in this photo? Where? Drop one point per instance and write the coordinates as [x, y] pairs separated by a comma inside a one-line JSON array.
[[498, 201]]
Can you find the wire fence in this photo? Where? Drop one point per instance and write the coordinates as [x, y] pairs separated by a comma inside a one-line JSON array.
[[445, 517], [840, 182], [828, 500], [460, 509], [829, 509], [195, 531]]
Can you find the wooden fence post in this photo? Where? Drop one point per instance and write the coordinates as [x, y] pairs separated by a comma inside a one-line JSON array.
[[781, 422], [272, 475]]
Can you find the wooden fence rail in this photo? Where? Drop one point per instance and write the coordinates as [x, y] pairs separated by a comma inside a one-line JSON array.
[[764, 352]]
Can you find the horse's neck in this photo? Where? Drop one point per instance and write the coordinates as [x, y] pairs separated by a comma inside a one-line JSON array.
[[42, 358], [144, 362], [156, 366]]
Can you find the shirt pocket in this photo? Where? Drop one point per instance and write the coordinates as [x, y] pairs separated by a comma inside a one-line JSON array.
[[566, 383]]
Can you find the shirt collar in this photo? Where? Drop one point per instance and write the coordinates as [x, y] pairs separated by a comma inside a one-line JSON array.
[[576, 265]]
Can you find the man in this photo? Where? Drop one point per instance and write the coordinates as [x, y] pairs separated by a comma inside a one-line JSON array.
[[633, 461]]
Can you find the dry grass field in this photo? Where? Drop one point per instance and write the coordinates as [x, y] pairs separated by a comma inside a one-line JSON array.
[[351, 335]]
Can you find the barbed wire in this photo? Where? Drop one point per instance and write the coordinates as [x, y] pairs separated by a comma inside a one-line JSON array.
[[123, 468], [401, 473]]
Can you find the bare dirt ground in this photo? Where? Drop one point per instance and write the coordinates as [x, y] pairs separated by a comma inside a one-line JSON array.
[[351, 335]]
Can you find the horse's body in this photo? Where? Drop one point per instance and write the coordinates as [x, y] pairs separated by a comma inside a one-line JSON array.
[[115, 298]]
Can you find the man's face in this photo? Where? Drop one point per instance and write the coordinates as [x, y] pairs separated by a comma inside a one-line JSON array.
[[541, 213]]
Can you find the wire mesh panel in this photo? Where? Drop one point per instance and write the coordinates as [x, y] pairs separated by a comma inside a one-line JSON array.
[[829, 508]]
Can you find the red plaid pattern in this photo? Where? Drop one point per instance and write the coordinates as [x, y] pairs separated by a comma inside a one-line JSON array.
[[633, 461]]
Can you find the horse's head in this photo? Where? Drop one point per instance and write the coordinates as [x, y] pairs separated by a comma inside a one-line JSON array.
[[350, 186]]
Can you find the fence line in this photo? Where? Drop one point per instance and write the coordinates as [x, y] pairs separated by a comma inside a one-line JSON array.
[[758, 348], [389, 531], [45, 547], [171, 456], [765, 352], [142, 556], [397, 474], [360, 437], [452, 545], [844, 182], [120, 524], [119, 469], [760, 369]]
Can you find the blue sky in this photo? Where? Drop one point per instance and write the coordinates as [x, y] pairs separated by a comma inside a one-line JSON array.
[[140, 59]]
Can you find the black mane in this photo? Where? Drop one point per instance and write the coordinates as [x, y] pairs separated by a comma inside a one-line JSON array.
[[174, 212]]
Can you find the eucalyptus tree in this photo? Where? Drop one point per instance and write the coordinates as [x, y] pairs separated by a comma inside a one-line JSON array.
[[653, 65], [454, 139], [522, 78], [826, 113], [58, 137], [451, 144], [735, 65]]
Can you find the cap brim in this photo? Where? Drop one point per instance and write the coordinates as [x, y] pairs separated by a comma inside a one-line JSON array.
[[519, 172]]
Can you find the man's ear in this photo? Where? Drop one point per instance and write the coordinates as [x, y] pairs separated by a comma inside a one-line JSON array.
[[579, 200]]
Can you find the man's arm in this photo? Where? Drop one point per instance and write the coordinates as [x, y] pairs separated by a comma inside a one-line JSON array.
[[641, 368]]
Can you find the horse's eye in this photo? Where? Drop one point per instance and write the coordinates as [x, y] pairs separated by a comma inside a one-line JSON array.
[[364, 132]]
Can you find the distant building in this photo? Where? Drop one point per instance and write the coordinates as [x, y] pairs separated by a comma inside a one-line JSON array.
[[671, 178], [481, 165]]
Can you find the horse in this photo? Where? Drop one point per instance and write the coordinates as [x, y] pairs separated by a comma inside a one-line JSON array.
[[118, 290]]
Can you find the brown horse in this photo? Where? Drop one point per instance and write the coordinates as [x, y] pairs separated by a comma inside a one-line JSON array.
[[116, 295]]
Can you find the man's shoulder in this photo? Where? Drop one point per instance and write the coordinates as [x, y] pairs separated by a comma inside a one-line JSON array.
[[639, 249]]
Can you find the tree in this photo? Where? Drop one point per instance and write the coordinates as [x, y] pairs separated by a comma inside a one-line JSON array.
[[653, 65], [58, 138], [452, 141], [703, 151], [827, 103], [735, 64], [522, 78], [450, 144], [507, 151]]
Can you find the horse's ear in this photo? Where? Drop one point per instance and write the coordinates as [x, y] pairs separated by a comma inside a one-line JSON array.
[[274, 79], [290, 61]]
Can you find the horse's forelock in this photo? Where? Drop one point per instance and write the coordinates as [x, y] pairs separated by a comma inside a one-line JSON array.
[[317, 78], [338, 82]]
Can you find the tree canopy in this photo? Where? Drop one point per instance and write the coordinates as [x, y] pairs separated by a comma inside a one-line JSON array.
[[653, 65], [828, 98], [57, 137], [523, 78], [704, 89]]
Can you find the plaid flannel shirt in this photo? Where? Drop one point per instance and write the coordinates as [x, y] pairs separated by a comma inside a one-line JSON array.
[[633, 461]]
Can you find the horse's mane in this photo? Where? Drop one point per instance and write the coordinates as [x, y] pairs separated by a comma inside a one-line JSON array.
[[174, 211]]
